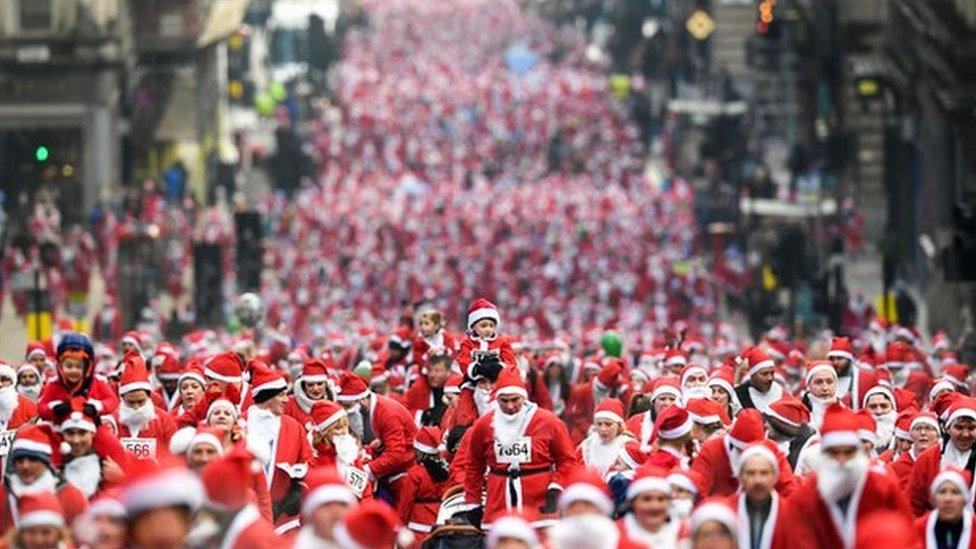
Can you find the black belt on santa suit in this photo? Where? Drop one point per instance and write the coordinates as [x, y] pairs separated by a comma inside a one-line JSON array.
[[516, 473]]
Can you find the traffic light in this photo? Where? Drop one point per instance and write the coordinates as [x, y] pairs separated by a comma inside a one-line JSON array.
[[42, 153]]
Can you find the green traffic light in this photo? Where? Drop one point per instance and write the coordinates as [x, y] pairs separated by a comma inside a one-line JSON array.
[[42, 153]]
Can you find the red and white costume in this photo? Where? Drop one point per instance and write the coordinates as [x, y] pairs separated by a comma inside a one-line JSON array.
[[148, 422], [930, 462], [593, 452]]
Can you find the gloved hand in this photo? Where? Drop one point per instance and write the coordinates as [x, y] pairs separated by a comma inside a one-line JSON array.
[[473, 516], [432, 416], [61, 409], [90, 411], [552, 498], [488, 367], [291, 504], [454, 437]]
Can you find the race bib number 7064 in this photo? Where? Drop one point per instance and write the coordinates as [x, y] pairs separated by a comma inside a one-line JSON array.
[[518, 451]]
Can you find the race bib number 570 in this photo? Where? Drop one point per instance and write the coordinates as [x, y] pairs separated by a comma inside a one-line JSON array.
[[518, 451]]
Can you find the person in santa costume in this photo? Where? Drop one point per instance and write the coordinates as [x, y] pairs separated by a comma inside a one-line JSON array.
[[925, 432], [722, 384], [607, 436], [827, 510], [419, 494], [879, 401], [788, 425], [76, 382], [694, 382], [431, 335], [284, 437], [664, 393], [609, 382], [160, 502], [313, 385], [224, 373], [852, 381], [671, 441], [709, 419], [29, 381], [191, 385], [226, 482], [630, 458], [34, 466], [951, 523], [131, 342], [425, 396], [958, 451], [526, 451], [383, 426], [685, 492], [327, 499], [758, 390], [761, 512], [717, 457], [648, 521], [167, 368], [40, 522], [820, 380], [15, 409], [94, 458], [901, 440], [585, 493], [714, 525], [396, 360], [484, 352], [335, 446], [138, 417]]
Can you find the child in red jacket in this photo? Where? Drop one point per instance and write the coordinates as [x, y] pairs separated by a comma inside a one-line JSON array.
[[484, 353], [419, 495], [76, 382]]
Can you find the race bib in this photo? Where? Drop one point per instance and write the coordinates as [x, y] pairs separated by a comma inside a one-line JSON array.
[[6, 440], [357, 480], [518, 451], [141, 448]]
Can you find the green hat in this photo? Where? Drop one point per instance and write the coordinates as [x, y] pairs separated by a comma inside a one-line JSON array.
[[612, 343]]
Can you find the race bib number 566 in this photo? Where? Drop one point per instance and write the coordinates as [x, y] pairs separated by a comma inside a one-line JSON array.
[[518, 451], [141, 448]]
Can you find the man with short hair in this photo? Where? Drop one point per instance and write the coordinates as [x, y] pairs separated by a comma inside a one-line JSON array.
[[757, 501], [759, 389]]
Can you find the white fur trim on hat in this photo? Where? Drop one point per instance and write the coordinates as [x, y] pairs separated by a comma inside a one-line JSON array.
[[705, 420], [647, 484], [169, 488], [205, 438], [878, 390], [825, 367], [840, 354], [666, 389], [194, 375], [420, 446], [31, 446], [676, 360], [512, 390], [33, 352], [714, 512], [41, 518], [77, 420], [106, 507], [941, 385], [135, 386], [677, 432], [758, 450], [608, 415], [924, 419], [180, 441], [585, 492], [29, 366], [318, 378], [683, 482], [221, 403], [330, 420], [277, 384], [352, 398], [960, 413], [483, 313], [219, 377], [328, 493], [839, 438], [8, 372], [512, 527], [949, 476], [768, 363]]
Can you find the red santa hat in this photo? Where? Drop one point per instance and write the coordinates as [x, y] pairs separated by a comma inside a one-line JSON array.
[[762, 450], [790, 411], [194, 372], [756, 359], [152, 485], [610, 409], [964, 407], [428, 440], [665, 386], [879, 389], [956, 374], [815, 367], [747, 429], [648, 479], [841, 347], [7, 371], [39, 509], [690, 369], [371, 524], [704, 411], [867, 427], [265, 382], [226, 367], [723, 378], [453, 385], [897, 354], [714, 510], [940, 341], [674, 357], [135, 377], [324, 485], [673, 423], [512, 527], [325, 413], [925, 418], [631, 455], [35, 348], [608, 375], [480, 310], [401, 337], [132, 338], [903, 424], [315, 371], [38, 441], [352, 388], [77, 419], [108, 503], [226, 480], [205, 435], [509, 383], [960, 478], [586, 485], [166, 362], [690, 481], [29, 366], [839, 427]]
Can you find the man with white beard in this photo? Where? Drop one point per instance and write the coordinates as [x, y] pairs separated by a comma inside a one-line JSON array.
[[143, 427], [34, 459], [957, 451], [29, 382], [828, 508], [599, 450], [15, 409], [879, 401]]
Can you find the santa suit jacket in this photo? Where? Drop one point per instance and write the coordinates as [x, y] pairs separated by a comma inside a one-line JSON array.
[[775, 533], [25, 411], [418, 499], [395, 430], [500, 346], [902, 467], [418, 397], [927, 467], [249, 530], [579, 411], [813, 523], [642, 426], [715, 467], [99, 394], [522, 485], [161, 428], [292, 452], [299, 406], [421, 345], [925, 530]]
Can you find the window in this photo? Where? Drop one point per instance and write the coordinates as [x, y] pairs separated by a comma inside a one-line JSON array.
[[35, 15]]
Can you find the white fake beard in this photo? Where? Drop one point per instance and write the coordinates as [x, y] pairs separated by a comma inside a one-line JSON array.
[[482, 400], [681, 508], [262, 425], [346, 447], [355, 420], [885, 430], [85, 472], [584, 532], [32, 392], [44, 483], [506, 425], [307, 539], [600, 456], [696, 392], [8, 402], [835, 481], [136, 419]]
